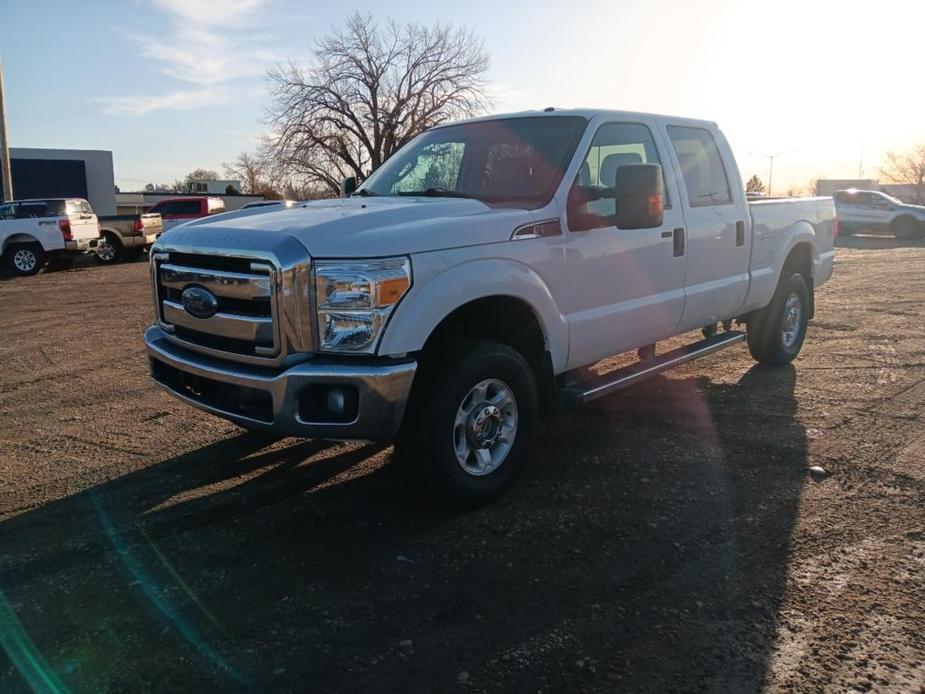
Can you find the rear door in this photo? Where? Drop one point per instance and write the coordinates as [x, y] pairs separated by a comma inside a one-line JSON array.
[[717, 227], [83, 222], [625, 286]]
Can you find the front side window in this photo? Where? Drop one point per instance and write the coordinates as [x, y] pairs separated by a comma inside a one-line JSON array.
[[701, 166], [512, 162], [614, 145]]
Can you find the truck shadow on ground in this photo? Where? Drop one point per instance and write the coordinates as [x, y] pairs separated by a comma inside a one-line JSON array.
[[645, 549]]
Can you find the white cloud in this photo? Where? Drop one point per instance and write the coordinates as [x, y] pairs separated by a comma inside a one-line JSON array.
[[206, 44], [141, 104]]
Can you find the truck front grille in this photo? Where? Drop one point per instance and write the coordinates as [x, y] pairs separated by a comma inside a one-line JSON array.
[[245, 322]]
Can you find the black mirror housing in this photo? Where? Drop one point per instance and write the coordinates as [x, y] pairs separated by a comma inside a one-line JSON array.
[[348, 185], [639, 190]]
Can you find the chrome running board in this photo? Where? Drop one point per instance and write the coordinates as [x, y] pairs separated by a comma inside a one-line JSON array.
[[578, 393]]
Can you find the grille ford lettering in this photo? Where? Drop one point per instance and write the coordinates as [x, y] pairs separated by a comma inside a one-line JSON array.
[[199, 302]]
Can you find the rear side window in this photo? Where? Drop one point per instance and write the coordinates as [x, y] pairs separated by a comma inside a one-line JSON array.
[[33, 210], [701, 166]]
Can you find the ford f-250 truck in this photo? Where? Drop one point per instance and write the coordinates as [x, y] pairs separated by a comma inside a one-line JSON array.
[[126, 236], [457, 294], [36, 232]]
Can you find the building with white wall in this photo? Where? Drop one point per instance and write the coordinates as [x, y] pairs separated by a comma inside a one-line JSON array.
[[65, 173]]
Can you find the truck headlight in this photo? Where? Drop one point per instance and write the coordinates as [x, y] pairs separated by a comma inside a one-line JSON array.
[[355, 299]]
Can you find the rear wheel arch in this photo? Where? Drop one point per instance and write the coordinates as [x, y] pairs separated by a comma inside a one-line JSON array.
[[800, 259], [18, 238]]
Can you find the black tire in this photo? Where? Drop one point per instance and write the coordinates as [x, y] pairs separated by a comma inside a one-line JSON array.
[[768, 341], [109, 250], [25, 259], [430, 432], [907, 228]]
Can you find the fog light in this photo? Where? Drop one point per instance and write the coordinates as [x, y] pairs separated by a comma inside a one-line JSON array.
[[337, 401]]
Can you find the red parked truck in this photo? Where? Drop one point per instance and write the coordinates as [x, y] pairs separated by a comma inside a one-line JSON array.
[[174, 211]]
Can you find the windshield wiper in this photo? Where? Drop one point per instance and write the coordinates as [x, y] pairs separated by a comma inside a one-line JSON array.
[[363, 193], [436, 192]]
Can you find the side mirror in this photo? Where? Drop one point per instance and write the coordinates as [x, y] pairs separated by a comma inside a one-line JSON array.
[[348, 186], [639, 190]]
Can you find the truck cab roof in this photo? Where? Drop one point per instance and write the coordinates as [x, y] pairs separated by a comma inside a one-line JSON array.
[[589, 114]]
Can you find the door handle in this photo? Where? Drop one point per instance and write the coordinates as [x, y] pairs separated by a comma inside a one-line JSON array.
[[740, 233], [678, 242]]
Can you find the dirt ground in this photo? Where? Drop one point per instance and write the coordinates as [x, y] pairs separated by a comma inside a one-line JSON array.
[[668, 538]]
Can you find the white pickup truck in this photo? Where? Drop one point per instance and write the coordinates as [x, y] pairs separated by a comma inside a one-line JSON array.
[[458, 293], [35, 232]]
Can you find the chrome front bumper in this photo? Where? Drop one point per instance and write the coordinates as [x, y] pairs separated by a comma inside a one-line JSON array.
[[382, 390]]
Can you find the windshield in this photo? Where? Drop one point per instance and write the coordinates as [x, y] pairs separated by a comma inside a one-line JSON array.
[[513, 161]]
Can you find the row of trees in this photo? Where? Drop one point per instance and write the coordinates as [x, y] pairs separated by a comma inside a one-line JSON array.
[[369, 90]]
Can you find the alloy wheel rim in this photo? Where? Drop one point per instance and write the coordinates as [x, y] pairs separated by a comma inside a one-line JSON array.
[[105, 250], [24, 260], [485, 427], [790, 325]]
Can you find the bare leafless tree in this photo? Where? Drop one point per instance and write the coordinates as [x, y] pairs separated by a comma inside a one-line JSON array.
[[256, 174], [907, 168], [370, 89]]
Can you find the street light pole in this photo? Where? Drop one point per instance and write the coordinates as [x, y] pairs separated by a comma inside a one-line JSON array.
[[771, 158], [6, 193]]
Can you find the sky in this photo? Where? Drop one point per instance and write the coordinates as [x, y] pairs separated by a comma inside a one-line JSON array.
[[173, 85]]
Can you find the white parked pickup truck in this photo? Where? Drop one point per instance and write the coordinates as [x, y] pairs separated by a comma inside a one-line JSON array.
[[34, 232], [457, 294]]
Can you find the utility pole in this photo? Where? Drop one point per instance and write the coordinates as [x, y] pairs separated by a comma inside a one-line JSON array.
[[5, 172], [771, 158]]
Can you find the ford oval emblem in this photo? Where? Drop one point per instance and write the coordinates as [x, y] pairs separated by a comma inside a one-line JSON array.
[[199, 302]]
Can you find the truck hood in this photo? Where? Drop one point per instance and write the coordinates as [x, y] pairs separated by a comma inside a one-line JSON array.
[[917, 210], [361, 227]]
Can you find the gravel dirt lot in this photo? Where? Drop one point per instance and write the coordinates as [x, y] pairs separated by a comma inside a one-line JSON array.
[[669, 538]]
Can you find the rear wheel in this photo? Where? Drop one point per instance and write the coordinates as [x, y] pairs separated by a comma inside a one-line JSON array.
[[469, 424], [776, 333], [108, 250], [25, 258]]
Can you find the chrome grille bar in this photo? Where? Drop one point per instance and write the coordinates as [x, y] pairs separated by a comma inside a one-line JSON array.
[[233, 285], [258, 330]]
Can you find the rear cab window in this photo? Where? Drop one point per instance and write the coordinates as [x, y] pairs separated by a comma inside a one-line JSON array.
[[78, 207], [702, 166]]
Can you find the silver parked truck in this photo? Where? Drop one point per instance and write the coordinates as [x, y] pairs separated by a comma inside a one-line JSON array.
[[461, 291]]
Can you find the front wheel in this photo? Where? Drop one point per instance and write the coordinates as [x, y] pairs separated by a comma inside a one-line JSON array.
[[470, 421], [776, 333], [26, 258], [907, 228]]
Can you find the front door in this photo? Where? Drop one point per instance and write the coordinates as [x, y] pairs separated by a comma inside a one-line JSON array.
[[626, 286]]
